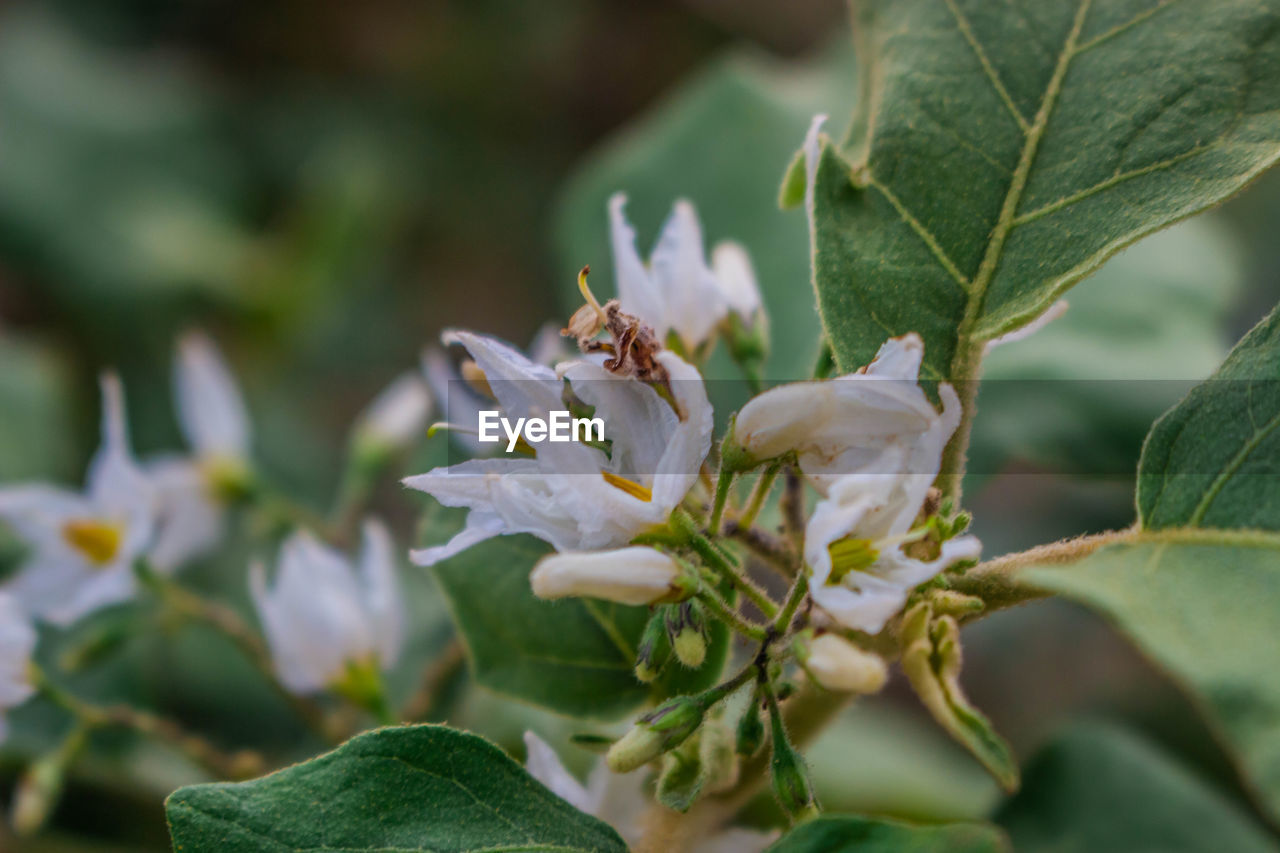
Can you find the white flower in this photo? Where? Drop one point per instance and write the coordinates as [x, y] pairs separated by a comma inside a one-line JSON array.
[[634, 575], [194, 490], [839, 665], [853, 550], [848, 424], [678, 292], [397, 416], [83, 544], [573, 495], [17, 642], [326, 619], [619, 800]]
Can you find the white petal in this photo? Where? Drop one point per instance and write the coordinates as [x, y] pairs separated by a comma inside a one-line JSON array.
[[210, 408], [812, 154], [898, 358], [454, 399], [689, 443], [480, 526], [637, 420], [634, 575], [544, 765], [17, 642], [866, 608], [679, 270], [637, 293], [383, 601], [737, 280], [548, 345], [116, 485], [522, 387]]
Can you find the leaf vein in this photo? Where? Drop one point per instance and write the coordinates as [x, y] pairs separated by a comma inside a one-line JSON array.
[[962, 23], [921, 231], [1233, 466]]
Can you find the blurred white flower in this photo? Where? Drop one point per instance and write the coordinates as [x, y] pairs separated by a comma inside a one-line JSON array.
[[17, 642], [397, 416], [736, 279], [848, 424], [853, 550], [634, 575], [619, 800], [572, 495], [678, 292], [839, 665], [83, 545], [329, 624], [194, 490]]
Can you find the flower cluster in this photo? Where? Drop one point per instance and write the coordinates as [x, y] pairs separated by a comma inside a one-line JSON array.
[[649, 514]]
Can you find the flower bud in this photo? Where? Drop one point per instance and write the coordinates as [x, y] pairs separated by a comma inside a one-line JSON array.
[[687, 628], [662, 729], [839, 665], [750, 730], [396, 418], [789, 776], [36, 795], [654, 651], [634, 575]]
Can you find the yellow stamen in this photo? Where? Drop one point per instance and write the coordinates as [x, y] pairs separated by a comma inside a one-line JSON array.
[[629, 486], [850, 555], [589, 296], [98, 541], [474, 376]]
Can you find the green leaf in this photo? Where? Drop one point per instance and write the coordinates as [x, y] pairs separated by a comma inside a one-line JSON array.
[[1204, 605], [413, 788], [1001, 153], [575, 656], [721, 141], [849, 834], [1214, 459], [1100, 790]]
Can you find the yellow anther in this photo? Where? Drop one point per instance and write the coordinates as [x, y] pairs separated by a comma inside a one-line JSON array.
[[474, 376], [98, 541], [631, 487], [850, 555]]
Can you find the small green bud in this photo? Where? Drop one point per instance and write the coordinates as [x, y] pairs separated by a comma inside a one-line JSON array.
[[784, 690], [947, 602], [789, 776], [733, 456], [654, 651], [687, 629], [750, 730], [662, 729]]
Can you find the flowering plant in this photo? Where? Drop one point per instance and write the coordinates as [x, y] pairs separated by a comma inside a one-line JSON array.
[[704, 586]]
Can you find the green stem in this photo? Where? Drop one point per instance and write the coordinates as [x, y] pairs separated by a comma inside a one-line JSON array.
[[758, 496], [723, 484], [221, 764], [716, 559], [728, 614], [792, 604]]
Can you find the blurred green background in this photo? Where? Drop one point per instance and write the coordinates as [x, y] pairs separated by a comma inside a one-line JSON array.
[[324, 186]]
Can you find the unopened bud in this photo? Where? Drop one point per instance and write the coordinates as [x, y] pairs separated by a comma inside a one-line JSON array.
[[687, 628], [662, 729], [634, 575], [654, 651], [37, 794], [750, 730], [395, 419], [947, 602], [789, 776], [839, 665]]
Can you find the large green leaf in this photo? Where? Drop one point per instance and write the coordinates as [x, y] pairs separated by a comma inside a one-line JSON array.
[[414, 788], [1001, 152], [575, 656], [1214, 459], [849, 834], [721, 142], [1099, 790], [1204, 605]]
